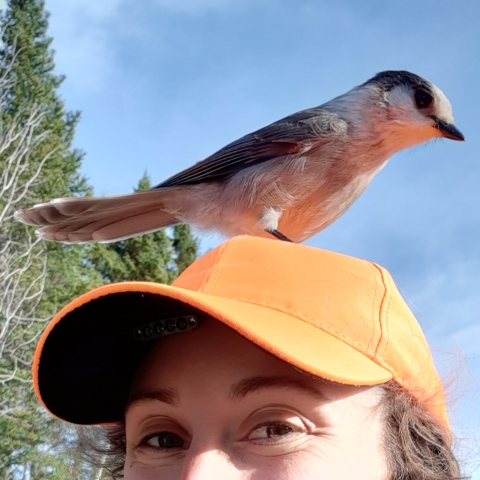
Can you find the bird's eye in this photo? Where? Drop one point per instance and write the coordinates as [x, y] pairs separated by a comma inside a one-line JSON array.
[[423, 99]]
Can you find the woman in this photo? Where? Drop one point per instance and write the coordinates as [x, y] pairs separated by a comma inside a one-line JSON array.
[[264, 360]]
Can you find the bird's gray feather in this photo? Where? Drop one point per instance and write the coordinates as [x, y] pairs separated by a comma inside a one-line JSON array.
[[284, 137]]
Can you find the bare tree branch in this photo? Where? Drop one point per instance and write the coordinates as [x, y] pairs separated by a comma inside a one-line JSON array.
[[22, 256]]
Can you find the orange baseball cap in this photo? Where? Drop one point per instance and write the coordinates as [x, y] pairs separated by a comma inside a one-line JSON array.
[[331, 315]]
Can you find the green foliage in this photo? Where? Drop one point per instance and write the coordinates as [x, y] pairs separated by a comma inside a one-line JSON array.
[[185, 245], [24, 447]]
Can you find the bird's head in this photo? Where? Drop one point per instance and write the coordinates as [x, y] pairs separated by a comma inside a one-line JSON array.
[[412, 107]]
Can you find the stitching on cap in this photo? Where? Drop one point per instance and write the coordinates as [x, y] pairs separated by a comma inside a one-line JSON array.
[[373, 305], [381, 309], [220, 266], [207, 276], [387, 311]]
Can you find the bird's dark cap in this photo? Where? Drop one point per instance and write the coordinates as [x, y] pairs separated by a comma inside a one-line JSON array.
[[390, 79]]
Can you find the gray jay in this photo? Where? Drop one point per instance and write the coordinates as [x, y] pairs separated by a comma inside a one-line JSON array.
[[290, 179]]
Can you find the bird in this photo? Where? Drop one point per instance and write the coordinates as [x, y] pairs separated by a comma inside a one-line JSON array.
[[290, 179]]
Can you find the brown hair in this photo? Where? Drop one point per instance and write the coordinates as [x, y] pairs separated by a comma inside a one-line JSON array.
[[416, 444]]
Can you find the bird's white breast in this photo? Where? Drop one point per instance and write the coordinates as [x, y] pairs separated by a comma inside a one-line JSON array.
[[320, 210]]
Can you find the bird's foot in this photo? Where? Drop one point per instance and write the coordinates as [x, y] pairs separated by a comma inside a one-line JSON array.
[[278, 235]]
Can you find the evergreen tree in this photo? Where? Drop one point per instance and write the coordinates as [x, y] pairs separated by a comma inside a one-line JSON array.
[[186, 247]]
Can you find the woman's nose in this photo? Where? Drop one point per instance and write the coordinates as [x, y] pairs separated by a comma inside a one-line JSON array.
[[210, 465]]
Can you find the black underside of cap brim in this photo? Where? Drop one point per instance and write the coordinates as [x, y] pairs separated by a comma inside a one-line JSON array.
[[90, 357]]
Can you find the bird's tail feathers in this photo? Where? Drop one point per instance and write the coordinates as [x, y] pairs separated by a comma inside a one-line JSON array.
[[60, 209], [104, 219]]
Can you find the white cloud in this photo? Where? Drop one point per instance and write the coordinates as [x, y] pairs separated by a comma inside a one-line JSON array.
[[79, 29]]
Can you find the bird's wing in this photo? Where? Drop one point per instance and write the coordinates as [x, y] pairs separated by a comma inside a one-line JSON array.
[[286, 137]]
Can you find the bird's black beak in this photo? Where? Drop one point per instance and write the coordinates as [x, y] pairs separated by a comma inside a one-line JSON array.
[[448, 130]]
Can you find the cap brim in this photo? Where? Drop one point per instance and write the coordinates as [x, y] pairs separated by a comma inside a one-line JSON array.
[[76, 367]]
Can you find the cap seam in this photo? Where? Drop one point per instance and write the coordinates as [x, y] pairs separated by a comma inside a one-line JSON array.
[[387, 323], [373, 308], [209, 275], [382, 313], [221, 263]]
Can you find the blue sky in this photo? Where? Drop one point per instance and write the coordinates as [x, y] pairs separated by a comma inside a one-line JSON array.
[[164, 83]]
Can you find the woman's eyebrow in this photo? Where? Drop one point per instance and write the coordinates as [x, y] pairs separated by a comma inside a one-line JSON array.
[[165, 395], [254, 384], [237, 391]]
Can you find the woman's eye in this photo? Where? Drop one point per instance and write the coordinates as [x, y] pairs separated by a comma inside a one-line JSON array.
[[270, 431], [165, 440], [278, 430]]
